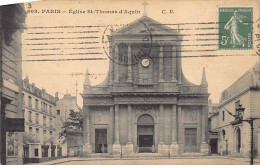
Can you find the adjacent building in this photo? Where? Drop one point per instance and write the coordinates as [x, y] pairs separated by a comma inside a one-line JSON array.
[[234, 140], [72, 146], [145, 105], [40, 140], [12, 18], [213, 123], [65, 106]]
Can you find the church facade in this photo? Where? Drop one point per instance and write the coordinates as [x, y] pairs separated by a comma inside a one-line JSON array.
[[145, 105]]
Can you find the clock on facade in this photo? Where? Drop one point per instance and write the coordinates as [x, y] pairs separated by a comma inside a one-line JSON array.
[[145, 62]]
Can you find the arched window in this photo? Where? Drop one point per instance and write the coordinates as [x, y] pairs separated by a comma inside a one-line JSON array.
[[223, 134], [238, 140], [145, 119], [223, 115]]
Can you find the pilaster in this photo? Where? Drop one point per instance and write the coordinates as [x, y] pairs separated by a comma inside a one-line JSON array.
[[116, 69], [161, 64], [162, 148], [174, 146], [129, 68], [87, 149], [116, 145], [180, 128], [111, 127], [174, 64], [204, 148], [179, 70]]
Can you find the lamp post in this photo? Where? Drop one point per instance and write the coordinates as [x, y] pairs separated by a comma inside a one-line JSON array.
[[239, 119]]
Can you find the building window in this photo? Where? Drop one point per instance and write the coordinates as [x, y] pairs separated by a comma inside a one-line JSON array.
[[44, 132], [224, 135], [51, 123], [42, 106], [37, 118], [23, 98], [36, 152], [50, 109], [37, 130], [58, 112], [223, 115], [30, 116], [238, 140], [30, 129], [44, 120], [50, 132], [36, 104], [29, 101]]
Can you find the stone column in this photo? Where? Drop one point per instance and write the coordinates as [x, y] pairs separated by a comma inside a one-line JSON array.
[[116, 145], [204, 120], [156, 137], [161, 125], [49, 151], [161, 63], [56, 150], [116, 69], [180, 129], [116, 124], [174, 64], [179, 67], [129, 145], [162, 148], [129, 123], [174, 145], [87, 150], [129, 70], [174, 124], [111, 127], [111, 66]]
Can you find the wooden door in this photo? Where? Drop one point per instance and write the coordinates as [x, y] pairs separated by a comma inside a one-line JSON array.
[[190, 140]]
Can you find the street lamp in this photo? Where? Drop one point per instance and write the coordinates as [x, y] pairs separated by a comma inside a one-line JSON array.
[[239, 115], [239, 119]]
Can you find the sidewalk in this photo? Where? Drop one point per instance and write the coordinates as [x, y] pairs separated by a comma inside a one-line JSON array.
[[69, 159]]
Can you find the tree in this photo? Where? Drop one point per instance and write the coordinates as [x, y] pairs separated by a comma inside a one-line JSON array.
[[29, 138], [75, 122]]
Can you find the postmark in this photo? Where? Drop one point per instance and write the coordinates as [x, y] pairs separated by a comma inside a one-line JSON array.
[[145, 46], [235, 27]]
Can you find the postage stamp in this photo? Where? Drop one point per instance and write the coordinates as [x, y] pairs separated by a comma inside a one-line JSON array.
[[235, 27]]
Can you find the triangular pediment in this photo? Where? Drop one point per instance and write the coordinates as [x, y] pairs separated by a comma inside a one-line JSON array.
[[145, 25]]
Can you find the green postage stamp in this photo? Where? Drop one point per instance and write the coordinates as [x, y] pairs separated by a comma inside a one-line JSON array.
[[235, 27]]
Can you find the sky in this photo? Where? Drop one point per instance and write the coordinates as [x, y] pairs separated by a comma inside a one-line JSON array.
[[64, 35]]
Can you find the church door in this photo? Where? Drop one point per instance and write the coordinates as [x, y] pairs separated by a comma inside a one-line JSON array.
[[101, 140], [145, 134], [190, 140]]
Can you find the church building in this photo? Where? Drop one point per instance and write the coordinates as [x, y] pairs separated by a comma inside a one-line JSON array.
[[145, 105]]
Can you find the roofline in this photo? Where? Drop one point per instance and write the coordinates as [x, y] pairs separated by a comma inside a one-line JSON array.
[[135, 21]]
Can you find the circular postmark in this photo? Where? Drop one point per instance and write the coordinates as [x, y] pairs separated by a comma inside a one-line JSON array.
[[123, 54]]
